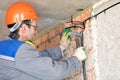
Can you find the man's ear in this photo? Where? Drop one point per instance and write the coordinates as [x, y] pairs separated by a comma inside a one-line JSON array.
[[23, 28]]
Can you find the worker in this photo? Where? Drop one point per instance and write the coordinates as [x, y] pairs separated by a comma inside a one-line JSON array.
[[20, 60]]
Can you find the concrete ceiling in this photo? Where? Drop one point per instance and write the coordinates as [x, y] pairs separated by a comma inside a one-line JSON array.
[[50, 11]]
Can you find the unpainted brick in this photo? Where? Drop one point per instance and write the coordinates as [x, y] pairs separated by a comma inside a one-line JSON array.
[[41, 47], [44, 37], [52, 33], [37, 41], [59, 29]]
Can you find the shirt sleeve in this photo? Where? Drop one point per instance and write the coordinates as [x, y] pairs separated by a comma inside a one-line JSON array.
[[54, 53], [43, 67]]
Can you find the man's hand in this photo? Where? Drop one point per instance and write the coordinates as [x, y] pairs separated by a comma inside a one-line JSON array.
[[64, 43], [80, 54]]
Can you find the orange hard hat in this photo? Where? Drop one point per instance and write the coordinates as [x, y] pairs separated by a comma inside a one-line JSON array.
[[20, 11]]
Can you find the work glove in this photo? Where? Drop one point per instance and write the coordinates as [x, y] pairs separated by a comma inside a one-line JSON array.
[[80, 54], [64, 43]]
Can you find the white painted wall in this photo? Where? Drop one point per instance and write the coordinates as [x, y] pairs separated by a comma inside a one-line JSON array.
[[106, 41]]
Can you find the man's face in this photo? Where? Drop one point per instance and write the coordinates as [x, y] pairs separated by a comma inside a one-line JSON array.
[[31, 31]]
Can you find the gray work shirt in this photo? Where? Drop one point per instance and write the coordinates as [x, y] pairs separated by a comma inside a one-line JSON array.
[[31, 64]]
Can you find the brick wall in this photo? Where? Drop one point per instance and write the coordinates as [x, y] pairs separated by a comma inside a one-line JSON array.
[[90, 74], [50, 37]]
